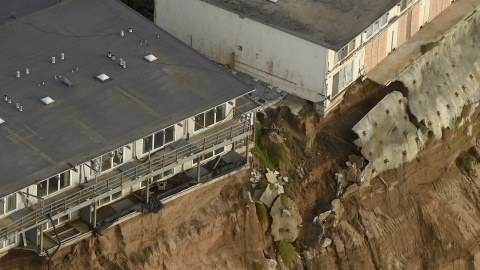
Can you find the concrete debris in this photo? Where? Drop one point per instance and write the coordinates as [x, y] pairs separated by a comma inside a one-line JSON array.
[[268, 196], [250, 196], [350, 189], [308, 255], [276, 173], [285, 179], [357, 160], [322, 217], [271, 177], [286, 221], [337, 208], [326, 242], [434, 98], [469, 130], [270, 264], [352, 173], [386, 151]]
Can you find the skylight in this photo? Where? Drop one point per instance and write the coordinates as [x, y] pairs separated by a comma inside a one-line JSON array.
[[47, 100], [150, 57], [103, 77]]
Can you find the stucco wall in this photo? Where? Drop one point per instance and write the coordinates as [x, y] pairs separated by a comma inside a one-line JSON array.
[[294, 64]]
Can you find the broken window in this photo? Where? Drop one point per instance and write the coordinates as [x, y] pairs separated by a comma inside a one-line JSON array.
[[147, 144], [118, 156], [107, 162], [199, 121]]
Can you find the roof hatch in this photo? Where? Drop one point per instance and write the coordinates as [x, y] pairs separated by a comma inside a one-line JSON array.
[[103, 77], [150, 58], [47, 100]]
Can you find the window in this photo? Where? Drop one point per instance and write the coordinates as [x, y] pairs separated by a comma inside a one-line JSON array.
[[342, 78], [110, 198], [54, 184], [209, 118], [107, 161], [11, 202], [403, 5], [374, 27], [159, 139], [209, 155], [158, 177], [12, 240], [58, 221], [345, 51]]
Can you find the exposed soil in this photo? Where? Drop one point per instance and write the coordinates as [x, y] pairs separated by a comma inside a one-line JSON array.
[[427, 217]]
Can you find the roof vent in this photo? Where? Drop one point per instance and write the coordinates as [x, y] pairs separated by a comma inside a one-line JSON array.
[[47, 100], [62, 56], [53, 59], [273, 1], [130, 30], [27, 71], [2, 121], [18, 74], [150, 57], [103, 77]]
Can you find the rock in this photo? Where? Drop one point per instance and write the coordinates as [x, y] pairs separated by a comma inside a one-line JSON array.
[[279, 188], [353, 173], [276, 173], [337, 208], [285, 179], [357, 160], [271, 177], [285, 223], [270, 264], [250, 196], [268, 196], [326, 242], [350, 189], [308, 255], [322, 217]]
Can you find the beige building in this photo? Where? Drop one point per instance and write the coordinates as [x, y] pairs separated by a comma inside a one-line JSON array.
[[313, 49]]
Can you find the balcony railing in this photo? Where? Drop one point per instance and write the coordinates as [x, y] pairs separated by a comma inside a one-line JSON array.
[[119, 180]]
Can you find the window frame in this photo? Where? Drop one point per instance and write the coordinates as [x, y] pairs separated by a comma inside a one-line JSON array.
[[214, 155], [203, 115], [58, 178], [153, 138], [154, 179]]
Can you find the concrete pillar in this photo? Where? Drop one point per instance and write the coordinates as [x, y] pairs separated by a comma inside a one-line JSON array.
[[147, 190], [94, 222], [41, 238], [198, 168], [248, 148]]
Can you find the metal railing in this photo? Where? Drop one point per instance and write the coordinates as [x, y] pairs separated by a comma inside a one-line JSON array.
[[118, 180]]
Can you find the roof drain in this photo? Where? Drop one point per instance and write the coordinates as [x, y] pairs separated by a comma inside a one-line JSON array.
[[58, 241]]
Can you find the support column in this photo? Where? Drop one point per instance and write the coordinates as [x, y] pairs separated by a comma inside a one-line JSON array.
[[198, 168], [247, 156], [94, 215], [147, 190], [41, 238]]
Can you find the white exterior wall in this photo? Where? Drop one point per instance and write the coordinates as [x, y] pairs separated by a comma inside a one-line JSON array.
[[291, 63]]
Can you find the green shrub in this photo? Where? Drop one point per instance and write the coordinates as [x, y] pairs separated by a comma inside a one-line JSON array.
[[286, 251], [262, 212], [422, 128], [263, 184], [258, 266], [466, 162], [306, 112], [284, 200], [260, 149]]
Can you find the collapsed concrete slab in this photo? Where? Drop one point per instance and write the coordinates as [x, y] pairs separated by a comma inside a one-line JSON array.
[[321, 217], [387, 137], [445, 79], [285, 220], [268, 196]]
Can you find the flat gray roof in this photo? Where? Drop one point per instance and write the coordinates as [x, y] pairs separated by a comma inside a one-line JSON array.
[[331, 24], [92, 117], [15, 9]]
